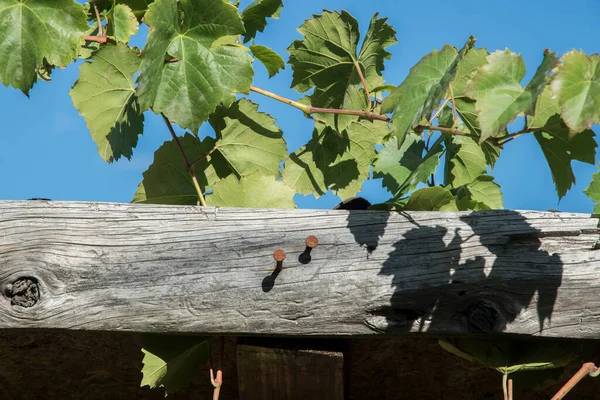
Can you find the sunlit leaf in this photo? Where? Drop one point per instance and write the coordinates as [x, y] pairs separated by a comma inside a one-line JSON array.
[[33, 30], [105, 96], [182, 74], [402, 169], [577, 86], [593, 192], [270, 59], [252, 191], [434, 198], [465, 161], [248, 139], [424, 88], [465, 69], [496, 88], [325, 60], [124, 23], [172, 361], [466, 110], [483, 191], [167, 180], [330, 161]]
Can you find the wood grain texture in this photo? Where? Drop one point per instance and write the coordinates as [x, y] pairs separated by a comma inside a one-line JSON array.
[[123, 267]]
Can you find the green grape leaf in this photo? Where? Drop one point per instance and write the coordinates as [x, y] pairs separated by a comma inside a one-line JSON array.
[[89, 48], [124, 23], [305, 169], [467, 204], [252, 191], [466, 110], [256, 14], [484, 192], [402, 169], [434, 198], [326, 59], [465, 107], [498, 93], [354, 99], [465, 69], [197, 74], [560, 150], [172, 361], [105, 96], [593, 192], [248, 139], [34, 30], [270, 59], [424, 88], [167, 180], [465, 161], [558, 146], [508, 357], [331, 161], [138, 7], [541, 79], [577, 86]]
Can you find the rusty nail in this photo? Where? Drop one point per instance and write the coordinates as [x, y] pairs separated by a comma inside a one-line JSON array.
[[279, 256], [312, 242]]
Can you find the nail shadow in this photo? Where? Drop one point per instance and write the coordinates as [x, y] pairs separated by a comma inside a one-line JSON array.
[[269, 282], [305, 257]]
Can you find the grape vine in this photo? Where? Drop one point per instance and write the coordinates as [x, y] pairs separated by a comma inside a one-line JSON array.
[[452, 111]]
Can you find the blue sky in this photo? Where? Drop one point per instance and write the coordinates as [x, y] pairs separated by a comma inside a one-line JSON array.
[[46, 149]]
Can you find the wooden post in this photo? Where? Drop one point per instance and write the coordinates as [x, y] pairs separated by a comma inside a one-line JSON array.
[[289, 371]]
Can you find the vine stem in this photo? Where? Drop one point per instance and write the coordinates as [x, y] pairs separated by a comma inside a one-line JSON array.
[[189, 166], [455, 120], [97, 39], [585, 370], [307, 110], [439, 110], [500, 140], [364, 83], [452, 131], [217, 383], [99, 18]]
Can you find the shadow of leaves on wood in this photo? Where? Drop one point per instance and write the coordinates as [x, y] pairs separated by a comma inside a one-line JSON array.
[[473, 274]]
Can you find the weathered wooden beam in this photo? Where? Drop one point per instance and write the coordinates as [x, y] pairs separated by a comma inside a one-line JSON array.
[[123, 267]]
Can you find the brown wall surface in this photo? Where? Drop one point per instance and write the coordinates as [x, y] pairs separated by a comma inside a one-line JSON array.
[[66, 365]]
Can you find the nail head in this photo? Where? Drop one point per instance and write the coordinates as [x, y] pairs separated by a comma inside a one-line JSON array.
[[312, 241], [279, 255]]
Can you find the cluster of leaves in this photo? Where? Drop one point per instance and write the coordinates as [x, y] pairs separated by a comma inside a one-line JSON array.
[[453, 111]]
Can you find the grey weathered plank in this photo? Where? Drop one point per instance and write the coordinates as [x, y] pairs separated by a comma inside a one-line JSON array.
[[123, 267]]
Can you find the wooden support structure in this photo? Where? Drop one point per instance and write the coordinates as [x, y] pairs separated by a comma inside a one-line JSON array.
[[293, 370], [171, 269]]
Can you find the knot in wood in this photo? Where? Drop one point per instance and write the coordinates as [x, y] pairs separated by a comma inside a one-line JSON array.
[[24, 292], [483, 317]]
